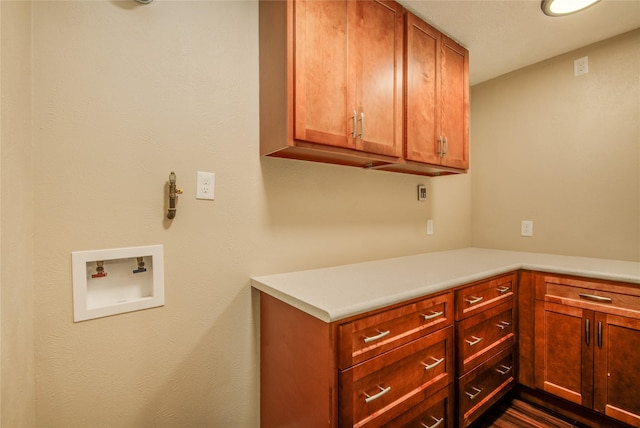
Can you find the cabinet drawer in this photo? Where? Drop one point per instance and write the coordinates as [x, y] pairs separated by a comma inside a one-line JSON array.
[[378, 390], [595, 295], [482, 387], [375, 334], [483, 295], [435, 410], [483, 335]]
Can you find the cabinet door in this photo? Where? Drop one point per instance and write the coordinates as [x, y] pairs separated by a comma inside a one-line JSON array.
[[617, 367], [378, 46], [564, 351], [323, 81], [454, 108], [422, 91]]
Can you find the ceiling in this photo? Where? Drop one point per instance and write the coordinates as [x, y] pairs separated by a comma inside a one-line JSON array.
[[505, 35]]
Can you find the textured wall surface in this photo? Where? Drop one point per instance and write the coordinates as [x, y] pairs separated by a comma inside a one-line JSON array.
[[16, 219], [562, 151], [122, 95]]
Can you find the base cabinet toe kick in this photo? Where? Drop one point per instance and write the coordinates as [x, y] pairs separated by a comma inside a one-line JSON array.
[[444, 359]]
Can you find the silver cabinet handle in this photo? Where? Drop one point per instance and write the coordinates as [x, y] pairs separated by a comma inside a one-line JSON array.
[[440, 146], [472, 395], [502, 290], [438, 422], [475, 340], [505, 369], [600, 334], [474, 300], [587, 331], [430, 366], [383, 391], [354, 133], [432, 315], [377, 336], [595, 298], [362, 126], [503, 324], [446, 147]]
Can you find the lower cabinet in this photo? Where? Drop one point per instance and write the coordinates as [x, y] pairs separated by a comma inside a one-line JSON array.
[[383, 388], [431, 363], [392, 367], [587, 337], [485, 339]]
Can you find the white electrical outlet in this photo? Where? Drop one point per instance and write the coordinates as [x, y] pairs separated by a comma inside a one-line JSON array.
[[581, 66], [526, 228], [206, 185], [429, 227]]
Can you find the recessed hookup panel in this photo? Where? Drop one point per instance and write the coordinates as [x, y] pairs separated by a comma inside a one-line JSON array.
[[115, 281]]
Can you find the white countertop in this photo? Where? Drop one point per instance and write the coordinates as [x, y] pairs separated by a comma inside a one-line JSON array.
[[334, 293]]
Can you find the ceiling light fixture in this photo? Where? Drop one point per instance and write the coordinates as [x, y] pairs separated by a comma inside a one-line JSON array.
[[565, 7]]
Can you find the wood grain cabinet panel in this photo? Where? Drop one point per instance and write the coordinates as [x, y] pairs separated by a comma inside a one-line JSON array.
[[333, 87], [486, 326], [617, 367], [369, 336], [482, 387], [484, 335], [484, 295], [586, 343], [564, 341], [434, 411], [380, 389], [436, 98], [331, 80]]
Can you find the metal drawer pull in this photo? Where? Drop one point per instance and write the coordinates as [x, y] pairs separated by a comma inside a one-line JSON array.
[[354, 133], [503, 289], [474, 300], [430, 366], [432, 315], [587, 331], [383, 391], [438, 422], [503, 325], [475, 340], [595, 298], [600, 334], [505, 369], [377, 336], [362, 126], [471, 395]]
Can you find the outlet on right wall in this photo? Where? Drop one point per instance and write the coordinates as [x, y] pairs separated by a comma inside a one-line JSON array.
[[562, 151]]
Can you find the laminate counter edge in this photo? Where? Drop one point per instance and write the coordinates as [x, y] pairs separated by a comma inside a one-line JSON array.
[[334, 293]]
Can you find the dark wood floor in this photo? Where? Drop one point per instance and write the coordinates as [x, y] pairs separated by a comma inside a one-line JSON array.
[[515, 413]]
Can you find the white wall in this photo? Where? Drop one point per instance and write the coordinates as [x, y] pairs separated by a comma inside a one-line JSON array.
[[124, 94], [562, 151]]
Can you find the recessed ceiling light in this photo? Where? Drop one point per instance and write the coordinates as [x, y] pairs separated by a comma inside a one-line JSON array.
[[565, 7]]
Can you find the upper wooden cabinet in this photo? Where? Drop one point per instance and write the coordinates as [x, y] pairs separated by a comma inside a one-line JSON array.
[[437, 97], [333, 87], [331, 80]]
